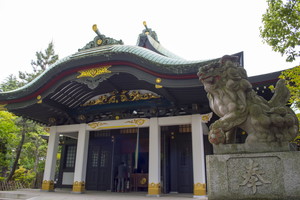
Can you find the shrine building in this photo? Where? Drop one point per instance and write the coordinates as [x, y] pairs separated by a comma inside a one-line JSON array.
[[110, 103]]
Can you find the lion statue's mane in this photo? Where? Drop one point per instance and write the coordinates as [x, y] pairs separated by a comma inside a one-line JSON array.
[[232, 98]]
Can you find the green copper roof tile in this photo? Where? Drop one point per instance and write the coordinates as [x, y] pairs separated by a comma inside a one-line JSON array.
[[143, 56]]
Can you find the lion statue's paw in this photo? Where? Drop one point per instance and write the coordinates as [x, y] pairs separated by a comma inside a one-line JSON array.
[[216, 136]]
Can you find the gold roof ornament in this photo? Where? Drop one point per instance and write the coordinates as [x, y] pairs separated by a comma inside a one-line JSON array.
[[158, 80], [93, 72], [149, 31], [100, 40], [95, 28], [39, 98]]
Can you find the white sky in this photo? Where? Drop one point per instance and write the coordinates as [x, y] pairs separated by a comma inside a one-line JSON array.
[[192, 29]]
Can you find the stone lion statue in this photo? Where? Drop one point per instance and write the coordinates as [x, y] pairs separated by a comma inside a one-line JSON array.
[[232, 98]]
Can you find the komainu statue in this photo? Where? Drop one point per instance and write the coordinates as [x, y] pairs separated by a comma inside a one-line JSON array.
[[232, 98]]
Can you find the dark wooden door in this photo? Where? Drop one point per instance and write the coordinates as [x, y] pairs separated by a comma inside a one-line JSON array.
[[104, 176], [181, 163], [99, 166], [185, 164], [92, 168]]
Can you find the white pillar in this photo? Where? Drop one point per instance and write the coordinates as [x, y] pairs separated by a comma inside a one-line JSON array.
[[81, 160], [198, 156], [49, 172], [154, 158]]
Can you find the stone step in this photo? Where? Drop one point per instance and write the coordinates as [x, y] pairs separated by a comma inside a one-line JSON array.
[[13, 196]]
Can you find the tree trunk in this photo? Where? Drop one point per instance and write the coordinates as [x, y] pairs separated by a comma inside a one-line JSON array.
[[36, 161], [18, 153], [3, 151]]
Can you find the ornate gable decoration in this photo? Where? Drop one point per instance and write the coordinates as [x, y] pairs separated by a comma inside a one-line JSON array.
[[149, 31], [120, 97], [100, 40], [94, 71], [92, 77], [139, 122]]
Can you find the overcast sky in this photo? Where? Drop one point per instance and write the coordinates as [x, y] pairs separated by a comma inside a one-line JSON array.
[[192, 29]]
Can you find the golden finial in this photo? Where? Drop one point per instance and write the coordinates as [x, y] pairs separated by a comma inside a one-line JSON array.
[[95, 28], [147, 30]]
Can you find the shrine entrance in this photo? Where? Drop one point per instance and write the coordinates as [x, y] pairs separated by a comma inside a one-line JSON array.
[[108, 148], [99, 166], [177, 161]]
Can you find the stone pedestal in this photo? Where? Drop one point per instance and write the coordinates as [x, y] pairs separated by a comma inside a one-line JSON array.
[[260, 176]]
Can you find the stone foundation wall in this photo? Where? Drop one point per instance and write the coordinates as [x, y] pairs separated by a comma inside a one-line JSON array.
[[260, 176]]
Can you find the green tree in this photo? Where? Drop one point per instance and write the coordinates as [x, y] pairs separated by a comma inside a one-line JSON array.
[[35, 150], [30, 152], [24, 175], [42, 62], [10, 83], [27, 135], [281, 27], [8, 130], [24, 128], [292, 77]]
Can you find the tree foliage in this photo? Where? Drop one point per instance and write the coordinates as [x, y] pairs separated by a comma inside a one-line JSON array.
[[24, 175], [42, 62], [292, 77], [8, 130], [10, 83], [22, 150], [281, 27], [35, 149]]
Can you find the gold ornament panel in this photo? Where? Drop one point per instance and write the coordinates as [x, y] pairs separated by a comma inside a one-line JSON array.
[[94, 71], [139, 122], [123, 96]]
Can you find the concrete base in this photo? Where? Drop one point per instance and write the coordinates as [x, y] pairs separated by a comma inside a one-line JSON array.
[[263, 176], [152, 195], [77, 192], [47, 190], [200, 197]]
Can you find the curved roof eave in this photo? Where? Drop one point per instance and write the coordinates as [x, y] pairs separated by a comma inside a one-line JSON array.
[[144, 59], [162, 49], [148, 42]]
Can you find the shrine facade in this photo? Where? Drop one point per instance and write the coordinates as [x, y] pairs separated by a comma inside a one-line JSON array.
[[110, 103]]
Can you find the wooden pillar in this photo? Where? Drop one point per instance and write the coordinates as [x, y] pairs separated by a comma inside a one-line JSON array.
[[81, 160], [198, 156], [154, 158], [49, 173]]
